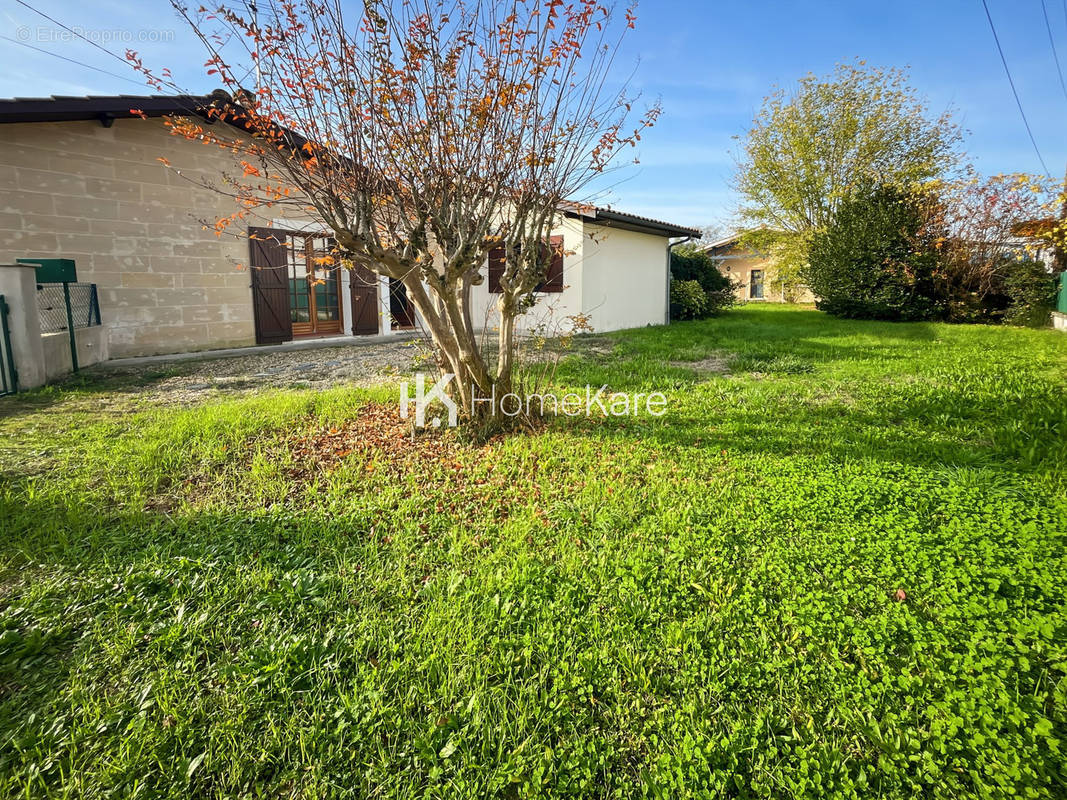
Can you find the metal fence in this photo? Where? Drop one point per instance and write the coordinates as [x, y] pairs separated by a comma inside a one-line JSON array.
[[9, 381], [52, 305]]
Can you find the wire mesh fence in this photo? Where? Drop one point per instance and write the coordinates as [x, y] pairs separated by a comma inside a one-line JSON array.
[[52, 306]]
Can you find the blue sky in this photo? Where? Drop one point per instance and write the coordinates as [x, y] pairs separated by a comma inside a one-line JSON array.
[[710, 64]]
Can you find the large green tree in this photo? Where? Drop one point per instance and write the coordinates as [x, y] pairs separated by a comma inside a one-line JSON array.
[[826, 139]]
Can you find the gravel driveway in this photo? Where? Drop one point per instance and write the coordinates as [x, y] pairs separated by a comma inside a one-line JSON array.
[[192, 380]]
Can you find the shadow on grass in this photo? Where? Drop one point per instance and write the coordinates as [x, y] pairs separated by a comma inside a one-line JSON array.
[[845, 434], [922, 425], [78, 533], [803, 383], [89, 384]]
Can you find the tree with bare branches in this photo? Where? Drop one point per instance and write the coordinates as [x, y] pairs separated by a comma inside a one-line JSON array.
[[422, 134], [989, 233], [985, 222]]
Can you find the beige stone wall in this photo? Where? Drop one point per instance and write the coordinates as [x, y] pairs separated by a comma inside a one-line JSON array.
[[98, 195]]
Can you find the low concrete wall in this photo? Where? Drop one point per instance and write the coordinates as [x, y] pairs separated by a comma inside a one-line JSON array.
[[18, 285], [92, 347], [1059, 321], [40, 358]]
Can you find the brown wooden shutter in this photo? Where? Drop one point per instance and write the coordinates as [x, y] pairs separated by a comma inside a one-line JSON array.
[[365, 314], [269, 261], [554, 276], [497, 258]]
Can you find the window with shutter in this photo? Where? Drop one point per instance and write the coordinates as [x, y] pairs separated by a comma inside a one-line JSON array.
[[553, 281], [314, 285]]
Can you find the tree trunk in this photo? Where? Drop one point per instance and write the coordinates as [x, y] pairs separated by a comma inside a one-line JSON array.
[[446, 313], [506, 356]]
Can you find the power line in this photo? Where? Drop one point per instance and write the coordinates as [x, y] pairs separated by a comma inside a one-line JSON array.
[[115, 56], [1011, 82], [1052, 41], [71, 60], [97, 45]]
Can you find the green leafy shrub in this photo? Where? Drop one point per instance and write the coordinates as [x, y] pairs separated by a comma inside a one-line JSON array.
[[871, 263], [688, 300], [1031, 293], [1017, 292], [720, 300], [689, 264]]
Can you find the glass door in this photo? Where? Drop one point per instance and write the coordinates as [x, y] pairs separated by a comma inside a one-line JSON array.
[[755, 288], [314, 286]]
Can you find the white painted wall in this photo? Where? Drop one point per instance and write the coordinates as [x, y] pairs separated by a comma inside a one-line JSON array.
[[617, 277], [552, 308], [624, 278]]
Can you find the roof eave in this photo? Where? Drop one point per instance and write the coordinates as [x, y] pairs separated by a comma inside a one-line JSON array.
[[629, 222], [73, 109]]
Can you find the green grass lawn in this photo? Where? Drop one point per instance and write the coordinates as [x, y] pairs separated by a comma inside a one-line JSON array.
[[836, 571]]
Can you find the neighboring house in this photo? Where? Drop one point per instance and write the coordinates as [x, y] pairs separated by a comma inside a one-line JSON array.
[[753, 272], [83, 180]]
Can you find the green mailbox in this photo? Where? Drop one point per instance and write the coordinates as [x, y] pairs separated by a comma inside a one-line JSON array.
[[53, 270]]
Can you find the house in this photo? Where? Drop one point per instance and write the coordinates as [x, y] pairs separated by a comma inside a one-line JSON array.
[[753, 272], [83, 180]]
